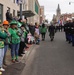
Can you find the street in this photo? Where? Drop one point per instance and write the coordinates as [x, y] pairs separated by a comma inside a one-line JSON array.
[[23, 51], [51, 58]]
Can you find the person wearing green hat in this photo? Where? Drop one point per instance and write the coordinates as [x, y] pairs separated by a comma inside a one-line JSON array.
[[22, 38], [15, 40]]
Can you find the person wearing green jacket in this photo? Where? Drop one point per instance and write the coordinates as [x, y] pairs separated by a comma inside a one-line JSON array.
[[43, 31], [14, 40], [6, 41], [22, 43], [3, 36]]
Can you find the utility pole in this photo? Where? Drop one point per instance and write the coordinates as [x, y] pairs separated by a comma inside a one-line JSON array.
[[20, 10], [20, 2]]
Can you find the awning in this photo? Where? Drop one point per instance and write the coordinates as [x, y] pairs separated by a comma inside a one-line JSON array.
[[27, 13]]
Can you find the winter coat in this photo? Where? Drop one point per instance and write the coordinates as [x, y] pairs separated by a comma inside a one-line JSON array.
[[23, 35], [7, 41], [3, 36], [43, 29], [14, 39], [51, 30]]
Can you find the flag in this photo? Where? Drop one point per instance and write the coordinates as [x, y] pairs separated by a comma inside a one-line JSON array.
[[58, 21], [19, 1]]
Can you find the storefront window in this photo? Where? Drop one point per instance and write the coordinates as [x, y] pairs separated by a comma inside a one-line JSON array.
[[1, 12]]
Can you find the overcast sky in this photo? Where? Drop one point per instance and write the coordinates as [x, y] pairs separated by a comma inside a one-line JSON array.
[[51, 6]]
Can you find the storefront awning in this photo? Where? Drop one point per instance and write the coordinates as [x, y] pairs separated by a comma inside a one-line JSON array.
[[27, 13]]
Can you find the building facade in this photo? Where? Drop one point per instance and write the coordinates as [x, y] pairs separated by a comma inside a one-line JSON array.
[[61, 18], [42, 16], [58, 13], [10, 5], [30, 6], [34, 6]]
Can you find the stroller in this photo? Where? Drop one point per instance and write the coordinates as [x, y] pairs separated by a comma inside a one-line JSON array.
[[37, 39], [30, 39]]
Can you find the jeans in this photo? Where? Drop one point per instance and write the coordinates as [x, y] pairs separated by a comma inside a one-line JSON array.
[[5, 50], [14, 50], [1, 56], [73, 40], [66, 36]]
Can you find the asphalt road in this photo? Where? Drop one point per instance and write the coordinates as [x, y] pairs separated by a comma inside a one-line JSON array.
[[51, 58]]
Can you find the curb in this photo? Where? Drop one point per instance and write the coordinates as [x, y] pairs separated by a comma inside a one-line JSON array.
[[24, 57], [27, 53], [22, 61]]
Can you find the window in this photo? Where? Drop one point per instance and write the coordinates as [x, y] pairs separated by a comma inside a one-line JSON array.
[[13, 13], [36, 8], [17, 13], [1, 13], [14, 1]]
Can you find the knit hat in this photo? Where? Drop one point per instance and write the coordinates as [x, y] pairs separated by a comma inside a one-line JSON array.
[[13, 22]]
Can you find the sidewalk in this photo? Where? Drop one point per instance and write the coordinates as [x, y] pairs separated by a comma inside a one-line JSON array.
[[27, 51], [16, 68]]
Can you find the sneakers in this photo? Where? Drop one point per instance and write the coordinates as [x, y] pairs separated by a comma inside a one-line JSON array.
[[13, 61], [16, 60], [1, 69]]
